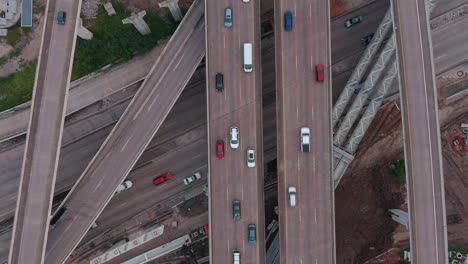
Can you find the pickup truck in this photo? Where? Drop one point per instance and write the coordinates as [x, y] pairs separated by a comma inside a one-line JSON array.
[[305, 139]]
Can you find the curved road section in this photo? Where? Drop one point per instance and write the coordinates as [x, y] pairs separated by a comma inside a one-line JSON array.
[[44, 134], [428, 234], [130, 136], [307, 230]]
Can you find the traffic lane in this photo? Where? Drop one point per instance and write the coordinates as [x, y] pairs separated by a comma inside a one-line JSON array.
[[118, 161], [42, 153], [446, 56], [420, 113], [341, 37], [445, 6]]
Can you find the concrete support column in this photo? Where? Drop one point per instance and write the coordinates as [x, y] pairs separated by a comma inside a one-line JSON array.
[[173, 7]]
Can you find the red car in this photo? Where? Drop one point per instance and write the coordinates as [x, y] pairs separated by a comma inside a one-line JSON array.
[[220, 149], [163, 178], [319, 70]]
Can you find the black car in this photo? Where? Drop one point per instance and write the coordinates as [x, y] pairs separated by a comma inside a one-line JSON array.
[[236, 211], [219, 82], [367, 39]]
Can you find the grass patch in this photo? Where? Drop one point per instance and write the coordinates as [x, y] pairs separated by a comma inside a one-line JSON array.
[[458, 248], [16, 88], [399, 172], [114, 42]]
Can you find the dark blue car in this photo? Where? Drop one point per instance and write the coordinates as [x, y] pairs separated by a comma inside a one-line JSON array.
[[288, 20]]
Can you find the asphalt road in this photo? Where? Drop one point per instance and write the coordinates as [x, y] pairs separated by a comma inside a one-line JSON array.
[[239, 105], [130, 136], [306, 231], [428, 234], [44, 135]]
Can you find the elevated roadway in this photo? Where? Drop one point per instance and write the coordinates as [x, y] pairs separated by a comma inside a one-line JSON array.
[[423, 157], [131, 135], [36, 188], [239, 105], [307, 230]]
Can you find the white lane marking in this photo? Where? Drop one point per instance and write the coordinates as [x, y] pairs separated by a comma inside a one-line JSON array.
[[149, 107], [224, 40], [297, 113], [296, 61], [315, 215], [97, 186], [295, 8], [311, 62], [300, 215], [126, 143], [298, 165], [310, 10], [313, 164], [123, 204], [69, 225], [227, 194], [177, 65], [229, 245]]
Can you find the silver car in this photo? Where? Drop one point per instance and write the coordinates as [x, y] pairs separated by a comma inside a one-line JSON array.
[[234, 142], [250, 158], [228, 17], [192, 178]]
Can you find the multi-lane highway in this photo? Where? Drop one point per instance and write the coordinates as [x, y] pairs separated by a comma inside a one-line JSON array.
[[44, 134], [130, 136], [306, 230], [423, 156], [238, 105]]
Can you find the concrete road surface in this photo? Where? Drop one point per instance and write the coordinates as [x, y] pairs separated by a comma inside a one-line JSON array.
[[131, 135], [428, 233], [239, 105], [307, 230], [44, 134]]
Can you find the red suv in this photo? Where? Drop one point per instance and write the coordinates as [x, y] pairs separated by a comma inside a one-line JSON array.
[[220, 149], [163, 178], [319, 71]]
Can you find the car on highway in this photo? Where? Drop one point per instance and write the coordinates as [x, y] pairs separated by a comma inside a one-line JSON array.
[[353, 21], [162, 179], [319, 72], [192, 178], [61, 15], [123, 186], [245, 1], [236, 256], [234, 141], [305, 139], [367, 39], [292, 196], [236, 210], [288, 21], [228, 17], [252, 234], [250, 157], [248, 67], [219, 82], [220, 149]]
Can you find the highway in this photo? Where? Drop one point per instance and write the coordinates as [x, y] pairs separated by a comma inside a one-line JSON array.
[[36, 188], [239, 105], [307, 230], [423, 157], [130, 136]]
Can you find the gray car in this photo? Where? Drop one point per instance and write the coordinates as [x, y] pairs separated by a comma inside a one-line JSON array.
[[236, 210], [252, 234], [353, 21]]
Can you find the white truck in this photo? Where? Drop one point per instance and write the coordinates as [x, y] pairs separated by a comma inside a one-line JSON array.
[[248, 57], [305, 139], [236, 256]]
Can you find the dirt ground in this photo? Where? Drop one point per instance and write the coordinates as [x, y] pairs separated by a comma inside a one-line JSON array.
[[363, 228]]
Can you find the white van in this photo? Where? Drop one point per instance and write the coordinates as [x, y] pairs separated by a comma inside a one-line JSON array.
[[248, 57], [236, 256]]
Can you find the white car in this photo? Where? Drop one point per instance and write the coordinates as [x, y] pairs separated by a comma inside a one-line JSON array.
[[245, 1], [124, 186], [292, 196], [250, 158], [234, 132], [192, 178]]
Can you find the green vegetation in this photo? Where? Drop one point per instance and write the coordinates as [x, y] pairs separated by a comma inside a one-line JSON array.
[[114, 42], [458, 248], [399, 172], [17, 88]]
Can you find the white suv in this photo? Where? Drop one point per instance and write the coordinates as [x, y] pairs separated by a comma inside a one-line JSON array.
[[234, 132], [250, 158], [192, 178], [292, 196], [124, 186]]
